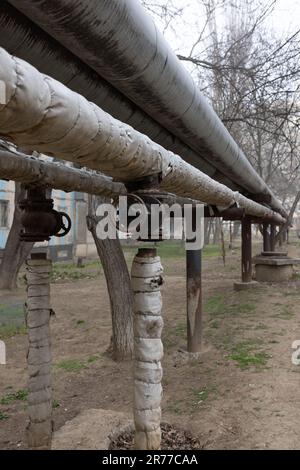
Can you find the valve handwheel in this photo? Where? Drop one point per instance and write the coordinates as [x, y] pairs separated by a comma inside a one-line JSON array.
[[65, 227]]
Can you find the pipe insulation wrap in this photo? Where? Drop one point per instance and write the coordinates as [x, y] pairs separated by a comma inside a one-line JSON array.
[[33, 171], [42, 114], [146, 280], [23, 38], [109, 35]]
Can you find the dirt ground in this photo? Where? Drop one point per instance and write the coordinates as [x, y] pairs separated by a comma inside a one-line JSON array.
[[243, 393]]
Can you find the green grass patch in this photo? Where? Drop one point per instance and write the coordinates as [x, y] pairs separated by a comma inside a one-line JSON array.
[[8, 331], [285, 313], [248, 353], [55, 404], [71, 365], [20, 395], [3, 416], [211, 251], [201, 395], [217, 306], [72, 275], [93, 358], [261, 326], [177, 407], [80, 322], [179, 330], [76, 365], [214, 324]]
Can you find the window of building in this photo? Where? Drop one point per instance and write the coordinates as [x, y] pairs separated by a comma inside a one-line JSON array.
[[4, 214]]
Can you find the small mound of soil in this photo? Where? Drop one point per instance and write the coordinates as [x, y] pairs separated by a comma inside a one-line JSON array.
[[173, 438]]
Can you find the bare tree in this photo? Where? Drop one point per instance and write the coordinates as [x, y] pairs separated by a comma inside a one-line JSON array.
[[252, 78], [118, 284], [16, 251]]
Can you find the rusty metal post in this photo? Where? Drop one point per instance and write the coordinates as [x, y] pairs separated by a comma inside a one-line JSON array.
[[246, 250], [266, 237], [272, 237], [38, 311], [194, 300]]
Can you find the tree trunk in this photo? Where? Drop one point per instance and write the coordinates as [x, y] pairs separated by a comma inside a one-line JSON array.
[[15, 252], [119, 287]]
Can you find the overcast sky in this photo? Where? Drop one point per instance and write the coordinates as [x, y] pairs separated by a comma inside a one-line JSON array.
[[284, 20]]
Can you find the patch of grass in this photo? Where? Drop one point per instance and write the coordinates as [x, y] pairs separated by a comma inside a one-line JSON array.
[[247, 353], [3, 416], [93, 358], [174, 249], [55, 404], [261, 326], [211, 251], [179, 330], [8, 331], [285, 313], [71, 365], [177, 407], [20, 395], [216, 306], [72, 275], [214, 324], [199, 396], [80, 322]]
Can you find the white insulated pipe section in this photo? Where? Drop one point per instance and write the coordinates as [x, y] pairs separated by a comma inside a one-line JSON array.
[[146, 278], [41, 114]]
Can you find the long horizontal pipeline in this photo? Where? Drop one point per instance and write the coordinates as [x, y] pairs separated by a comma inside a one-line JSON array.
[[56, 175], [122, 44], [23, 38], [31, 170], [42, 114]]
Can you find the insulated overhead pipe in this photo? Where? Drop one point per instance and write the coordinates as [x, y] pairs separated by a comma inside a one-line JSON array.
[[122, 44], [23, 38], [39, 113]]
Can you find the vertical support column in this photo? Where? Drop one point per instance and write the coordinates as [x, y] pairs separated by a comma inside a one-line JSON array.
[[266, 237], [147, 279], [194, 300], [246, 250], [272, 237], [39, 430]]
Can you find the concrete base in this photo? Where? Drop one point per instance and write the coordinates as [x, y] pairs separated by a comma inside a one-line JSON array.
[[275, 254], [245, 285], [273, 273]]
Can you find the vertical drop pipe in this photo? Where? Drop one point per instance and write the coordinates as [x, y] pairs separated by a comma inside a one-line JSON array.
[[146, 275], [39, 430], [272, 237], [266, 237], [194, 300], [246, 250]]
